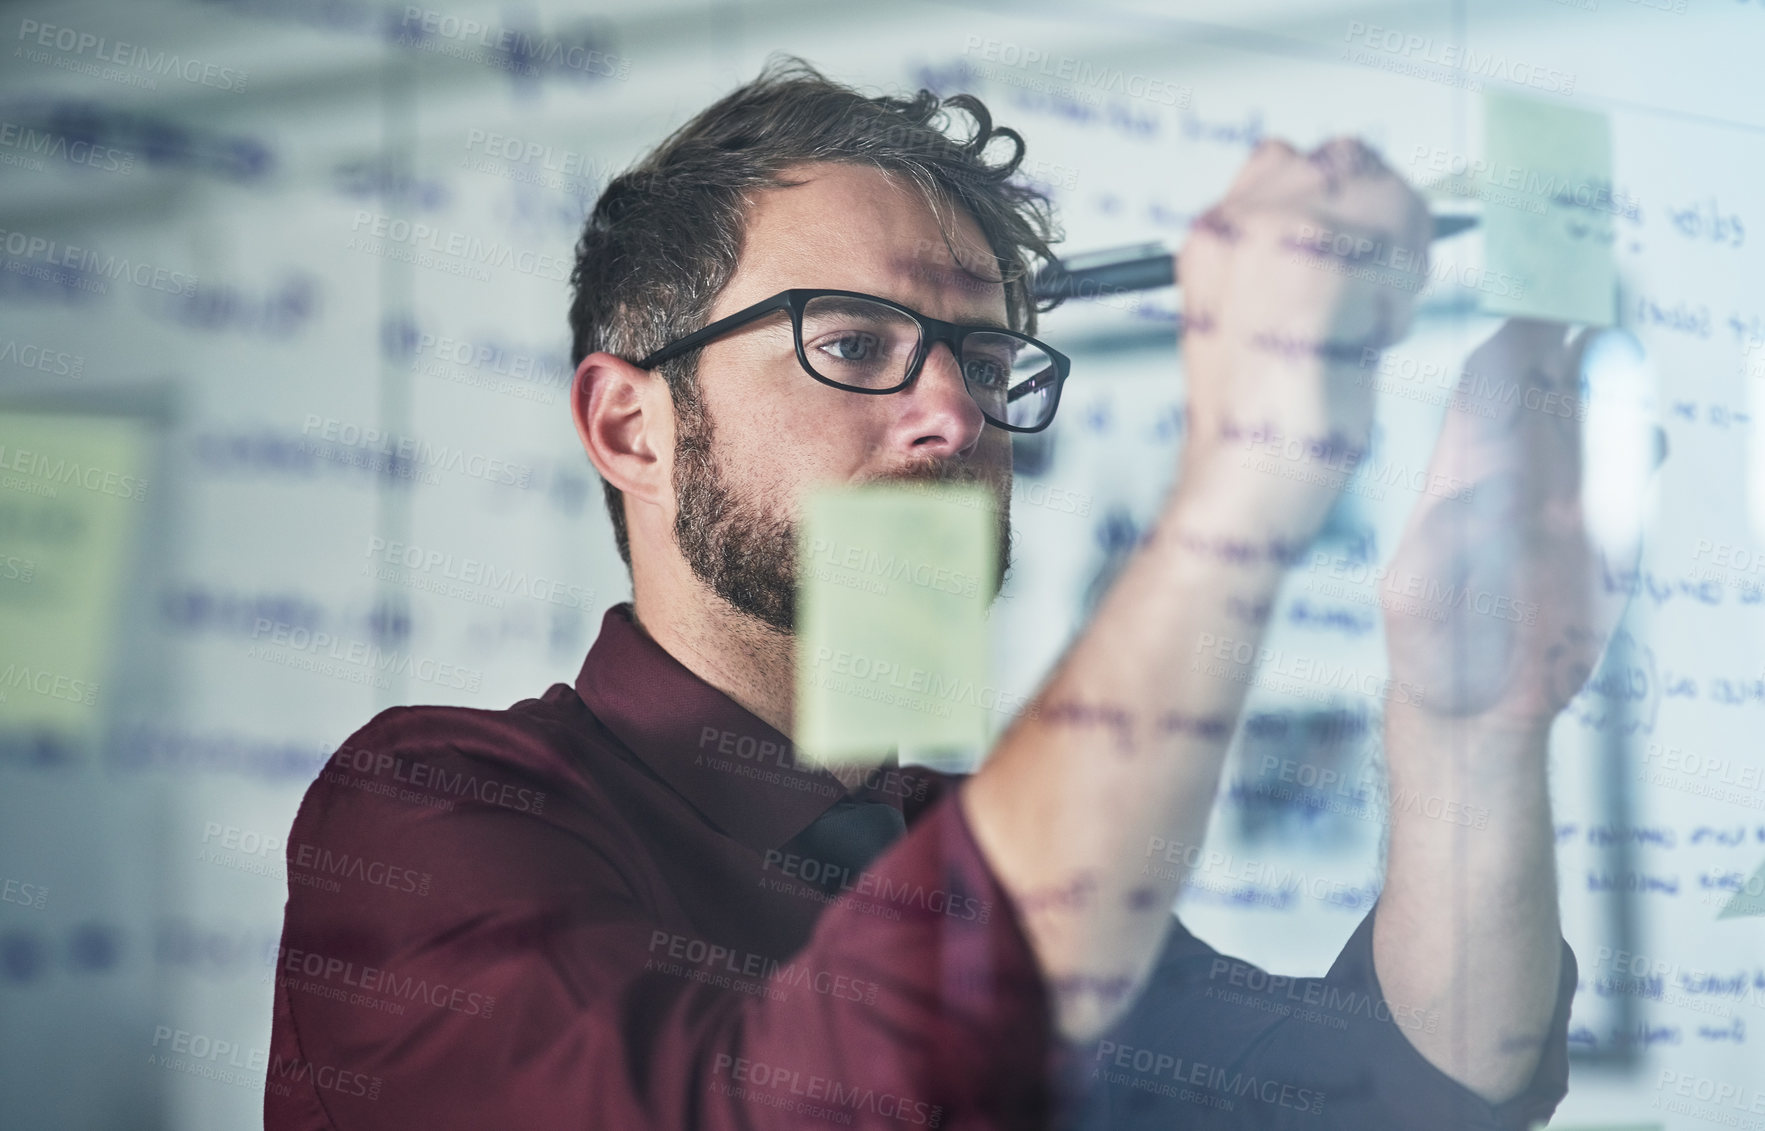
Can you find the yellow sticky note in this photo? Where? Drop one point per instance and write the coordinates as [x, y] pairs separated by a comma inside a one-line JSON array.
[[73, 490], [1550, 229], [1749, 900], [894, 581]]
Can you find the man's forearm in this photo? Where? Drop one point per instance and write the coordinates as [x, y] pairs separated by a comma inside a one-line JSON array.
[[1125, 741], [1123, 745], [1467, 928]]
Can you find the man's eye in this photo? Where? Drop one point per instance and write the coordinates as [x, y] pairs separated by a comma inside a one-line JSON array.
[[989, 374], [855, 346]]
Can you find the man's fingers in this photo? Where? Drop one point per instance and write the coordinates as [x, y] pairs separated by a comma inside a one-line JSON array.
[[1513, 406], [1271, 154], [1204, 264], [1396, 311], [1344, 159], [1510, 372]]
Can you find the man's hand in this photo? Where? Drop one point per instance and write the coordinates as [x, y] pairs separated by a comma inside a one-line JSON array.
[[1510, 567], [1309, 261], [1117, 761], [1497, 611]]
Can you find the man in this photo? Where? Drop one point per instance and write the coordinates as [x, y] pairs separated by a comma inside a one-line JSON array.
[[625, 905]]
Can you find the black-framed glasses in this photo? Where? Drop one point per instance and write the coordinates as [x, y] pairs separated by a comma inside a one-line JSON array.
[[867, 344]]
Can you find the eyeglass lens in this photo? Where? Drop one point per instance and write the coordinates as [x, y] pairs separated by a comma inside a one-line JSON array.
[[866, 345]]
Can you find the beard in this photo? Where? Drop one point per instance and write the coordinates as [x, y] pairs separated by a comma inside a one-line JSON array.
[[745, 552]]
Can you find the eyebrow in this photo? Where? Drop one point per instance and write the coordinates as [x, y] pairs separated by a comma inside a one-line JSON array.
[[953, 276], [987, 321]]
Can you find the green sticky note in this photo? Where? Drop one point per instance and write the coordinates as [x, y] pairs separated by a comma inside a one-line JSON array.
[[894, 581], [1549, 213], [1749, 900], [73, 491]]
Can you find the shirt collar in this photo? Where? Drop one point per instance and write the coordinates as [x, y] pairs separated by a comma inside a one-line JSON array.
[[729, 764]]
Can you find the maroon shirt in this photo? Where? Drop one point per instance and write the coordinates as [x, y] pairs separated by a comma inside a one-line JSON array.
[[579, 912]]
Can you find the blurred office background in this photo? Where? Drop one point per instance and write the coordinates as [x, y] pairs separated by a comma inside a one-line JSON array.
[[283, 281]]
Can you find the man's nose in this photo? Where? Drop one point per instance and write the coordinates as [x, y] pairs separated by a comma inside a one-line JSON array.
[[946, 418]]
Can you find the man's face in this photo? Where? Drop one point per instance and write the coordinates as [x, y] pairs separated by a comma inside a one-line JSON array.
[[764, 430]]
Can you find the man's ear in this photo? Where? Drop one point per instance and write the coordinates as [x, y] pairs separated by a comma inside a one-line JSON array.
[[624, 417]]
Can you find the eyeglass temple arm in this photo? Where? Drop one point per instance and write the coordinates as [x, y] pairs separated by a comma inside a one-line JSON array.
[[704, 334], [1034, 385]]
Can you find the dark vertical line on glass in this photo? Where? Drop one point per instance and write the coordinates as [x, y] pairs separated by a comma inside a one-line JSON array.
[[394, 489]]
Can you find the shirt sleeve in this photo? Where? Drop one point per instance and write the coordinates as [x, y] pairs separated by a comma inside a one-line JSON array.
[[1217, 1043], [529, 985]]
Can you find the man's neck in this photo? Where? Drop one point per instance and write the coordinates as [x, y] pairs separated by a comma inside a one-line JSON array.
[[749, 661], [746, 659]]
